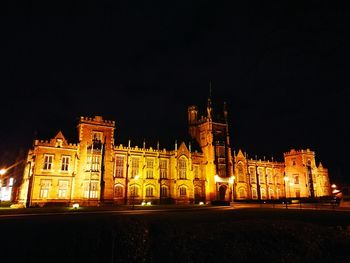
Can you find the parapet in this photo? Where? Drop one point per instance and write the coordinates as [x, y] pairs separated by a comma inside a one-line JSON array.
[[97, 120], [298, 152]]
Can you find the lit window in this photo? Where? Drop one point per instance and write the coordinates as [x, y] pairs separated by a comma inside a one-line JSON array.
[[196, 171], [62, 189], [182, 168], [163, 169], [254, 194], [134, 191], [252, 174], [65, 163], [48, 159], [119, 163], [44, 188], [135, 163], [183, 191], [149, 191], [296, 179], [91, 190], [293, 161], [95, 165], [118, 191], [240, 173], [149, 167], [242, 193]]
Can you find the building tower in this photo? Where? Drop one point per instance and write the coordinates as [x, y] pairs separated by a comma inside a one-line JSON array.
[[211, 133]]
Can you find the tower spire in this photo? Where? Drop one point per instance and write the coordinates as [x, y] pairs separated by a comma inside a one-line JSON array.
[[209, 105]]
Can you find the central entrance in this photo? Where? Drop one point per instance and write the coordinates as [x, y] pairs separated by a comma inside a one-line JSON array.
[[222, 192]]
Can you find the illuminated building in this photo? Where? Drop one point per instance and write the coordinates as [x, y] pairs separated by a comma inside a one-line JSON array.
[[203, 169]]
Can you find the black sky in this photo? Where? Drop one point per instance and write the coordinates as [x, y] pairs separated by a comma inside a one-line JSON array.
[[281, 66]]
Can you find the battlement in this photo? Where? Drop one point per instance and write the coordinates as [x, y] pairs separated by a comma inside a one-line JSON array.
[[297, 152], [97, 120], [51, 143], [136, 148]]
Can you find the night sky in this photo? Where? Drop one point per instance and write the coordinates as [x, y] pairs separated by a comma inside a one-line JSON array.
[[282, 68]]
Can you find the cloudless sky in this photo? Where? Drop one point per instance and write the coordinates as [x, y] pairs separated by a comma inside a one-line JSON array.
[[281, 66]]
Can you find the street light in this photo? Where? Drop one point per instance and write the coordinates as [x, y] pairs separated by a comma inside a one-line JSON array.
[[231, 181], [133, 192], [286, 180], [3, 171]]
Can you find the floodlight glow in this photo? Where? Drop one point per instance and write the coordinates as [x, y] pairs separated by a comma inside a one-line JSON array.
[[75, 206], [201, 203]]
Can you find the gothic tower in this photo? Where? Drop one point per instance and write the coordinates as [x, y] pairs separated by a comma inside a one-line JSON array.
[[211, 133]]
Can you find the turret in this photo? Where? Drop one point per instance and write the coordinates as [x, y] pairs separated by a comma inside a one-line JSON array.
[[192, 120]]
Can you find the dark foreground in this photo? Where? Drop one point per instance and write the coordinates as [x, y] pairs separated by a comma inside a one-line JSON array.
[[214, 235]]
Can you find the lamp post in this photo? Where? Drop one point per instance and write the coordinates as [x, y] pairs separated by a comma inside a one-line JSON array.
[[232, 181], [286, 180], [133, 192]]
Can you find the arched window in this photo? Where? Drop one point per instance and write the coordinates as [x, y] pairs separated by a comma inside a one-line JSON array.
[[134, 190], [272, 194], [254, 194], [183, 191], [242, 193], [263, 194], [149, 191], [164, 191], [182, 168], [197, 192], [118, 191], [240, 173]]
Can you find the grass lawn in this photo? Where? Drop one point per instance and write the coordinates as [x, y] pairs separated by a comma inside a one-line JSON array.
[[241, 235]]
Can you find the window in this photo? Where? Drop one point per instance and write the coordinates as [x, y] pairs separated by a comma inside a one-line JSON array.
[[183, 191], [149, 191], [164, 191], [62, 188], [59, 143], [196, 171], [91, 190], [272, 194], [134, 190], [44, 188], [261, 175], [95, 165], [254, 194], [65, 163], [163, 169], [242, 193], [48, 159], [296, 179], [293, 161], [252, 174], [182, 168], [97, 136], [118, 191], [222, 170], [269, 176], [119, 166], [149, 167], [263, 194], [297, 193], [135, 163], [240, 173], [197, 192], [220, 151]]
